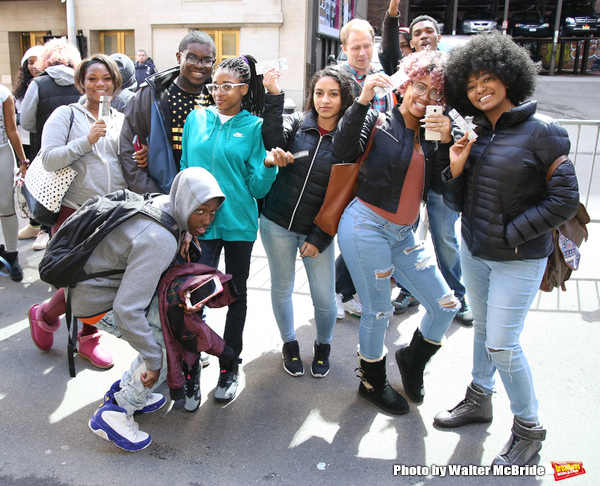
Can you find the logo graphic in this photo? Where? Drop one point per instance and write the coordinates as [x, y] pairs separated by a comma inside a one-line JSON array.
[[567, 469], [238, 134]]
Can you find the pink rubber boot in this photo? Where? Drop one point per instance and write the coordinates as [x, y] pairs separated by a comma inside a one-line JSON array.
[[90, 349], [41, 332]]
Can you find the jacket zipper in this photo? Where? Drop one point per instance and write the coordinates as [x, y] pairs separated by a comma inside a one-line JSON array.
[[312, 162]]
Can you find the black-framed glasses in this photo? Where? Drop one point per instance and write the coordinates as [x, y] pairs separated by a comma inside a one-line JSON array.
[[420, 90], [225, 87], [193, 60]]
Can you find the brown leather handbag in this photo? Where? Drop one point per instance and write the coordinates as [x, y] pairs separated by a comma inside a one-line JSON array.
[[341, 189]]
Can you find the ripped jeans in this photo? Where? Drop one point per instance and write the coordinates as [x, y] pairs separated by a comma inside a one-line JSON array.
[[375, 250], [500, 294]]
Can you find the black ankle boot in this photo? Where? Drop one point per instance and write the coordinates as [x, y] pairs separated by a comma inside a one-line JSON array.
[[524, 443], [374, 386], [476, 408], [12, 258], [412, 360]]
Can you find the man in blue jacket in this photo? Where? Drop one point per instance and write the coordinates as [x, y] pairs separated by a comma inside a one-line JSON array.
[[158, 111]]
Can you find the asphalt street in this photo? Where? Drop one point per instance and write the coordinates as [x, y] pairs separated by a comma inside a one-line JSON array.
[[305, 431]]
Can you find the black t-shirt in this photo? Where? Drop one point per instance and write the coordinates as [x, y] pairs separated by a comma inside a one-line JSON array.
[[181, 104]]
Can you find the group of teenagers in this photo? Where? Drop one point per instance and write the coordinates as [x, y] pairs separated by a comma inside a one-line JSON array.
[[216, 139]]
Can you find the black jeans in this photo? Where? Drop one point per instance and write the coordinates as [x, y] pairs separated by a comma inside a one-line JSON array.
[[343, 280], [237, 263]]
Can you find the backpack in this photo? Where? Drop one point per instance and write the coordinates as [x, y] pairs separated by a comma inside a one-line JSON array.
[[567, 239], [71, 246]]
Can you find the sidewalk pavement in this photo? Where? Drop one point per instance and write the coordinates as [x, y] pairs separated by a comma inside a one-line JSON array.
[[282, 430]]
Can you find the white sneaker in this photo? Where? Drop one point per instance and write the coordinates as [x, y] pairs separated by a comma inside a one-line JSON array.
[[353, 307], [41, 241], [29, 232], [112, 423], [341, 313]]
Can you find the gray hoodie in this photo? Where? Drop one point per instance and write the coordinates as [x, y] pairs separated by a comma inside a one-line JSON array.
[[98, 166], [144, 249]]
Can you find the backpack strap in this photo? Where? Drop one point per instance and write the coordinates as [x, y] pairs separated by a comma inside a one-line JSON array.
[[72, 335], [555, 164]]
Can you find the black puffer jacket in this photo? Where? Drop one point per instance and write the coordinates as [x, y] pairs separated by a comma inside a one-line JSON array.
[[299, 189], [382, 174], [507, 208]]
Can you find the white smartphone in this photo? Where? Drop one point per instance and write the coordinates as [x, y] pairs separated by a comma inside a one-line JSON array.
[[433, 110], [199, 295]]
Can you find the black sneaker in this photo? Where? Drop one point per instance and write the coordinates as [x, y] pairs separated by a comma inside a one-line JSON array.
[[192, 386], [320, 364], [227, 384], [403, 302], [291, 358], [464, 315]]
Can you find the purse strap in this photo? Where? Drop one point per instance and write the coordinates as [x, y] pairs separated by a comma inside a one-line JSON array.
[[555, 164], [378, 123]]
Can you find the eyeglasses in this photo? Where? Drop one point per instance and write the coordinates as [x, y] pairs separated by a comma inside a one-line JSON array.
[[420, 90], [225, 87], [193, 60]]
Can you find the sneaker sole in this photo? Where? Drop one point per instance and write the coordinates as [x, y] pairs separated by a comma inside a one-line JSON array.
[[109, 436]]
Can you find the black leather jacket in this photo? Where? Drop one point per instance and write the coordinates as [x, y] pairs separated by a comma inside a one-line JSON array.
[[383, 172], [507, 208], [299, 189]]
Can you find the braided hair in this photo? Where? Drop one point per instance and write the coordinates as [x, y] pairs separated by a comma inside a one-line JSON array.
[[244, 68]]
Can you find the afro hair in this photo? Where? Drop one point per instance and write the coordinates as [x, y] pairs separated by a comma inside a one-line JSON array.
[[494, 53]]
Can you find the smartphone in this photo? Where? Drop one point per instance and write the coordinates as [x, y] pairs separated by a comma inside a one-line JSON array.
[[433, 110], [137, 145], [194, 252], [202, 293], [104, 109]]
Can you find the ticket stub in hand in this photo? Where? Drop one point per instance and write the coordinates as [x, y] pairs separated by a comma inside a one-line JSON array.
[[278, 64], [463, 124], [397, 79]]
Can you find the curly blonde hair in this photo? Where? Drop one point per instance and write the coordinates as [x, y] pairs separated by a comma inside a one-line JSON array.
[[425, 63], [57, 52]]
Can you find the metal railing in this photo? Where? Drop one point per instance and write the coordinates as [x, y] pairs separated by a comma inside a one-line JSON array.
[[584, 135]]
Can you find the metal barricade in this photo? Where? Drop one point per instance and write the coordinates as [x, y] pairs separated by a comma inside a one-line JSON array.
[[584, 136]]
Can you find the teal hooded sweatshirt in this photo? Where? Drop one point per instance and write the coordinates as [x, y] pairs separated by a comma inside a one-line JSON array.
[[234, 154]]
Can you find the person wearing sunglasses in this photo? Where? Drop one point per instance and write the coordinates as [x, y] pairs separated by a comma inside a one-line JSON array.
[[376, 235], [226, 139], [157, 114]]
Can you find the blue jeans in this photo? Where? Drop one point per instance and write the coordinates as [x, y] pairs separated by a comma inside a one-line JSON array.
[[374, 250], [500, 294], [282, 248], [442, 221], [133, 393]]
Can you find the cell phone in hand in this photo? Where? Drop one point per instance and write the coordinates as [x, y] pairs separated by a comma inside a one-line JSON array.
[[199, 295], [194, 252], [137, 145], [433, 110]]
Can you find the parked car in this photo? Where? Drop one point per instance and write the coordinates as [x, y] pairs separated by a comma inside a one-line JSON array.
[[476, 23], [576, 20], [341, 58], [528, 24]]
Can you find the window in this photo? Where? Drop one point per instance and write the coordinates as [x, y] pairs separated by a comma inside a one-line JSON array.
[[122, 41], [227, 42], [30, 39]]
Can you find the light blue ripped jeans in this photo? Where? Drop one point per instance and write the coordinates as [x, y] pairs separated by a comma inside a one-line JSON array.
[[500, 294], [133, 393], [375, 249]]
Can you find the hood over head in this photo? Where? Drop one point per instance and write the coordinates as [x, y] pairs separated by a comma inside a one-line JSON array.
[[127, 70], [34, 51], [191, 188]]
